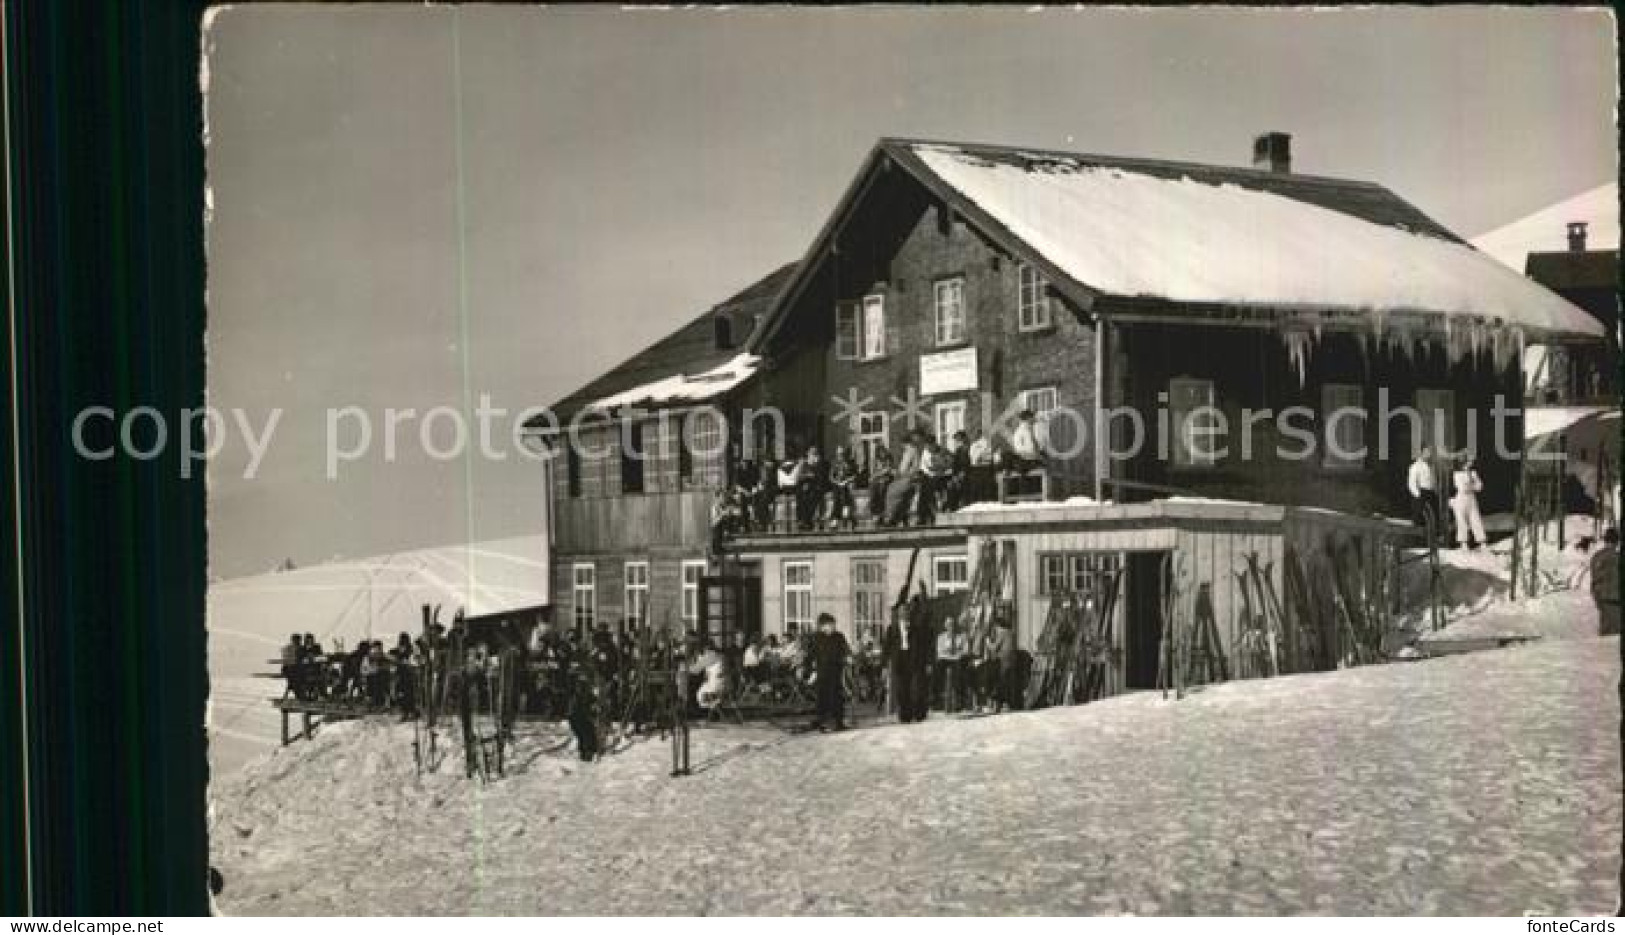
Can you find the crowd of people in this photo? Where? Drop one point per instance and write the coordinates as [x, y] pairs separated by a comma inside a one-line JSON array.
[[598, 678], [928, 476]]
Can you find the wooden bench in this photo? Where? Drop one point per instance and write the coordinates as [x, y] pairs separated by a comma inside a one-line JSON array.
[[1024, 486], [312, 714]]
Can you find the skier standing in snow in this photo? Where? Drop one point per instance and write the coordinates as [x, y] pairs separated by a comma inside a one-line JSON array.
[[584, 702], [829, 653], [1465, 505], [999, 667], [908, 647]]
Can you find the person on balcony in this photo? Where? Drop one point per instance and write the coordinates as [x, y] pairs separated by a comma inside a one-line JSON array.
[[1026, 451], [936, 473], [812, 483], [881, 473], [843, 475], [901, 491], [979, 485], [747, 490], [958, 492], [727, 519]]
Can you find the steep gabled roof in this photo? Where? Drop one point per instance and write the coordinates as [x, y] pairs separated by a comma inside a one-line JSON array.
[[658, 372], [1209, 237]]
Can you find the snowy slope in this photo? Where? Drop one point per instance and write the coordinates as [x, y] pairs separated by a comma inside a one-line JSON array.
[[1130, 234], [1547, 229], [1480, 784], [250, 618]]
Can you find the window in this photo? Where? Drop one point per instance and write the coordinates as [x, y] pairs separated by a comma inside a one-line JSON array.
[[1041, 400], [871, 435], [1195, 445], [860, 329], [1437, 410], [874, 327], [868, 597], [950, 418], [847, 330], [700, 449], [692, 573], [572, 469], [950, 302], [1342, 413], [636, 609], [584, 596], [594, 455], [1032, 299], [950, 574], [632, 460], [798, 595], [1083, 573]]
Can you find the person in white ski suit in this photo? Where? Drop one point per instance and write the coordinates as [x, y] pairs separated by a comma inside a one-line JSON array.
[[1465, 505]]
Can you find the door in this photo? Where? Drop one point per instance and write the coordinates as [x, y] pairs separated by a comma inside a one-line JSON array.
[[728, 605], [1143, 621]]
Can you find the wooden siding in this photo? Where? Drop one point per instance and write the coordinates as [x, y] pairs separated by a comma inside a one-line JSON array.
[[832, 579], [899, 245], [631, 523], [1211, 544], [665, 585]]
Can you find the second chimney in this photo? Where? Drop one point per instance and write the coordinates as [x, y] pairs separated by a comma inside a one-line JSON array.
[[1577, 236], [1273, 152]]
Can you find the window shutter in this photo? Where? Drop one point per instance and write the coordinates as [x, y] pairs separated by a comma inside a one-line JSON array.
[[874, 327], [846, 331]]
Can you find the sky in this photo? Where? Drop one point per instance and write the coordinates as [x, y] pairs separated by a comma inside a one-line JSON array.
[[416, 206]]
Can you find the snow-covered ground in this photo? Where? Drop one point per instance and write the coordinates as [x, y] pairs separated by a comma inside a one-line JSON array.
[[375, 598], [1476, 591], [1478, 784]]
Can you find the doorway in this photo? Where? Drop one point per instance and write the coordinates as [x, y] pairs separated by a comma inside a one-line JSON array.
[[728, 605], [1143, 622]]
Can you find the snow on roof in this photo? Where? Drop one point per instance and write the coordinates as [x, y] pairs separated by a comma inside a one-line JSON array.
[[682, 387], [1544, 420], [993, 506], [1547, 229], [1133, 234]]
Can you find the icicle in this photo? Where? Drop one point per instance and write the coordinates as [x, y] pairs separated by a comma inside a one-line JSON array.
[[1297, 352]]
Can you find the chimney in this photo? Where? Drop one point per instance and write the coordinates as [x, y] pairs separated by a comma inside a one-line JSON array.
[[1273, 152], [1577, 236]]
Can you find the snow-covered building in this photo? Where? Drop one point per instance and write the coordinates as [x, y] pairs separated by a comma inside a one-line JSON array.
[[954, 284], [1571, 248]]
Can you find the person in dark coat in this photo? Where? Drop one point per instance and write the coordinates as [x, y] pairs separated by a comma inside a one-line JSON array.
[[1605, 583], [811, 485], [585, 690], [829, 654], [909, 649]]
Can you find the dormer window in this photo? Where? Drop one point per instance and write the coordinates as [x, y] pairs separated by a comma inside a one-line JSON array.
[[724, 332]]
